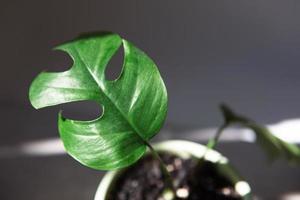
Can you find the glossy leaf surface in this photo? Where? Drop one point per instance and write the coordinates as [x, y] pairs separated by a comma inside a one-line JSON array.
[[274, 146], [134, 105]]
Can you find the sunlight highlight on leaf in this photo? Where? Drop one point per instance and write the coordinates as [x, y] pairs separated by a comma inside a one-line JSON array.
[[134, 105]]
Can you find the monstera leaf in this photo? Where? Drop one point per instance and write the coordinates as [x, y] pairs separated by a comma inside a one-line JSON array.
[[274, 146], [134, 105]]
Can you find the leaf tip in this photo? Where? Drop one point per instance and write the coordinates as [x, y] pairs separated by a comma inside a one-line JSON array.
[[227, 112], [35, 90], [61, 47], [32, 95]]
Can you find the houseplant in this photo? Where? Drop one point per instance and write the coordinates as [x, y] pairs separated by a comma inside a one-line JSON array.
[[134, 109]]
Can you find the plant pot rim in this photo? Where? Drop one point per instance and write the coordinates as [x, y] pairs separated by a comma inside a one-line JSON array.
[[184, 149]]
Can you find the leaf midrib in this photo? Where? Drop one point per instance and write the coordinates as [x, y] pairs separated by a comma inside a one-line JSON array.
[[108, 97]]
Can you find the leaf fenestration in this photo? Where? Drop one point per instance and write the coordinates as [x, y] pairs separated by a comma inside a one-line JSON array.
[[134, 105]]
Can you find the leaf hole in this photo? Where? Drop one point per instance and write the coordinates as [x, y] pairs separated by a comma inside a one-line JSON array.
[[82, 110], [114, 67], [58, 61]]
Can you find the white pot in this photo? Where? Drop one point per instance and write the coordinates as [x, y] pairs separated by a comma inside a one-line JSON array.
[[185, 149]]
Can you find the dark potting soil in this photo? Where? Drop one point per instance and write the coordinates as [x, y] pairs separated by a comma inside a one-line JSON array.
[[145, 181]]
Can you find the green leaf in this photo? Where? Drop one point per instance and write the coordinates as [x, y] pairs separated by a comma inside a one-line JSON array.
[[134, 105], [274, 146]]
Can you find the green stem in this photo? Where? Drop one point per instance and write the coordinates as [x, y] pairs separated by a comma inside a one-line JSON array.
[[214, 141], [167, 175]]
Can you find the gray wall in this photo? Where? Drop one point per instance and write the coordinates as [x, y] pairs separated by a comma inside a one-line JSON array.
[[245, 53]]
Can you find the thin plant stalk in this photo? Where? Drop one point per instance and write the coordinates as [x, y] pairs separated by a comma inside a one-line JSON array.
[[212, 143], [168, 178]]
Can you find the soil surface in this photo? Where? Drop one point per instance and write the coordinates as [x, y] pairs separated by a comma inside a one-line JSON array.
[[145, 181]]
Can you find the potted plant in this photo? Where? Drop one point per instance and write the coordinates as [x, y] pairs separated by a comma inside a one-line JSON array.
[[134, 109]]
